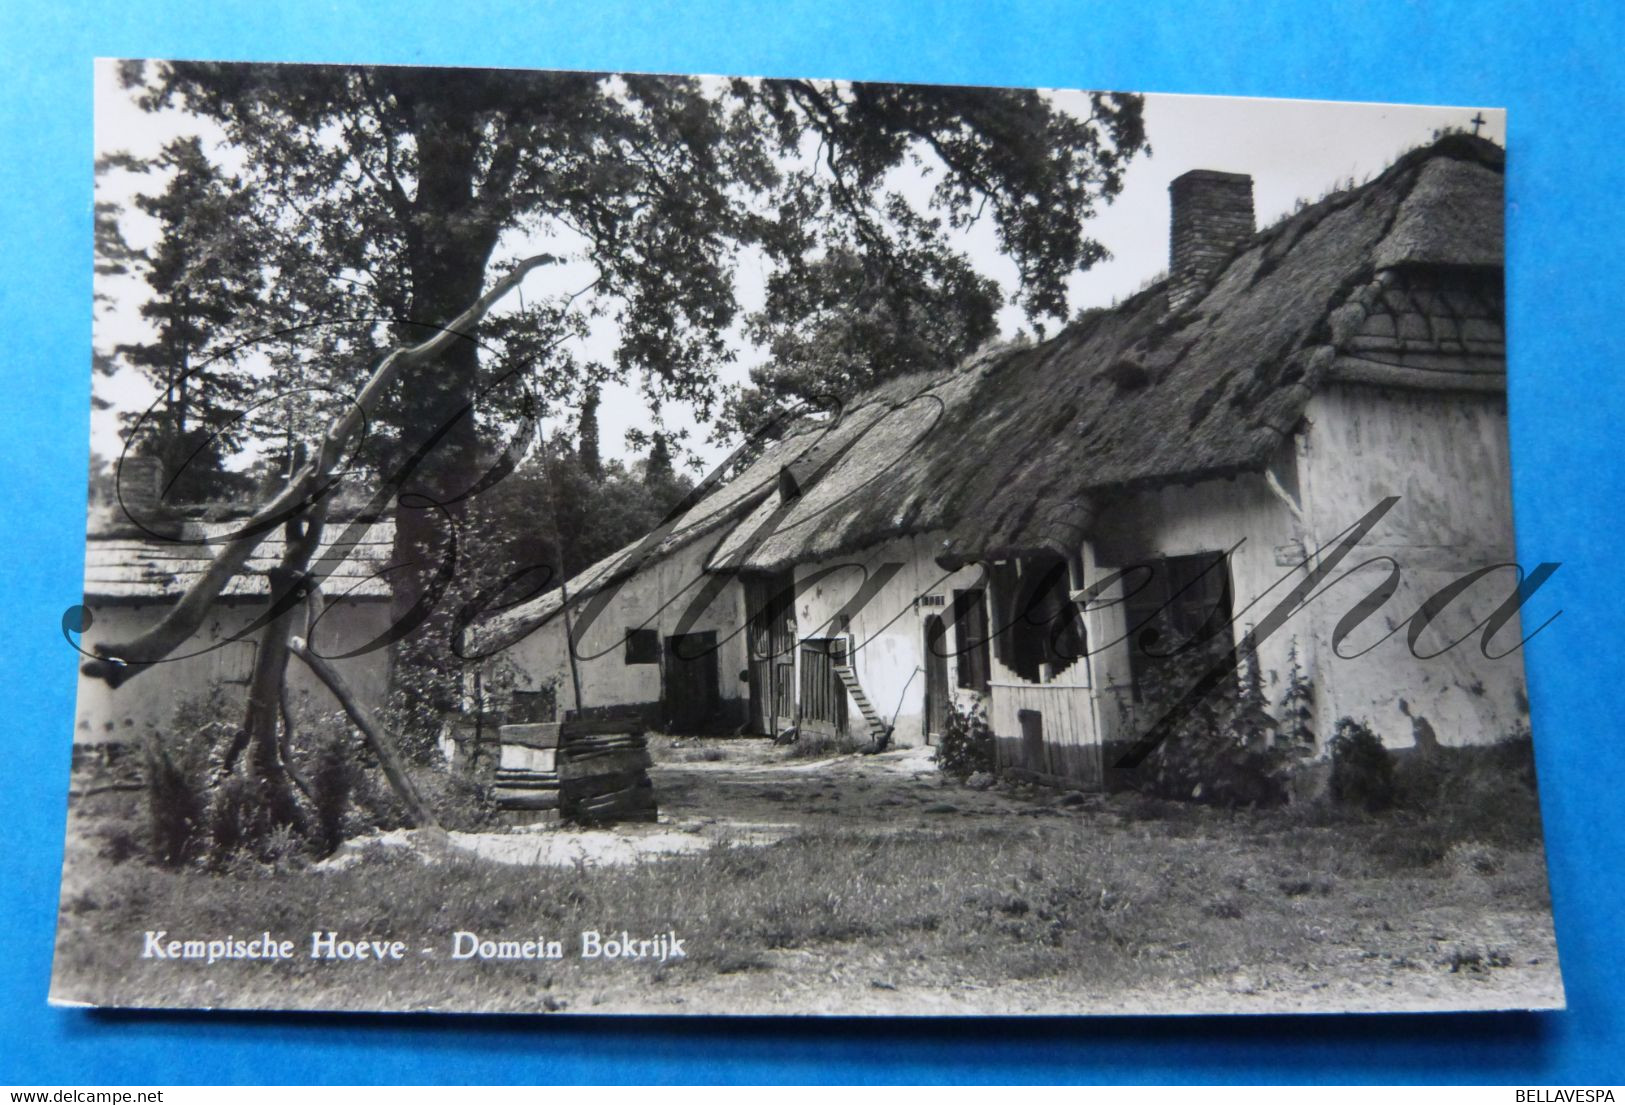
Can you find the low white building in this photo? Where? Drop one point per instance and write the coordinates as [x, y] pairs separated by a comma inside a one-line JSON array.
[[134, 577], [1037, 527]]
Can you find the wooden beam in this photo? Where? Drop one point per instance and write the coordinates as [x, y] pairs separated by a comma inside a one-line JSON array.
[[378, 739]]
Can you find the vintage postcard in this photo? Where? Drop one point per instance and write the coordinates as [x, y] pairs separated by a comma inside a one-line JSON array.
[[621, 543]]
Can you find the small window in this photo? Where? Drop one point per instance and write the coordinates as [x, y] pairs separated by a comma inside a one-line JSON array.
[[642, 646], [1178, 603]]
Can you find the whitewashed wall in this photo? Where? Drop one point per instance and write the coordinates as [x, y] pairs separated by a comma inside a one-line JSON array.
[[656, 598], [1446, 456], [1065, 706], [147, 702]]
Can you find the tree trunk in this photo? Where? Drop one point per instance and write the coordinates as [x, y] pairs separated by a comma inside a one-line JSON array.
[[448, 250], [264, 747]]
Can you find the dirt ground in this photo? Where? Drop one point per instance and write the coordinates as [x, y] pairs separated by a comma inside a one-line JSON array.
[[745, 791]]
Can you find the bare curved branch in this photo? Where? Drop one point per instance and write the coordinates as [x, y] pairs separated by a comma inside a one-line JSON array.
[[119, 662]]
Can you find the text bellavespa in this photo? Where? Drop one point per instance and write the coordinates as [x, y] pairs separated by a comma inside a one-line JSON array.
[[659, 948]]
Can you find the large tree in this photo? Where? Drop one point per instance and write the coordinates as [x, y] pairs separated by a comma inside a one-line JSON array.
[[384, 193], [203, 278]]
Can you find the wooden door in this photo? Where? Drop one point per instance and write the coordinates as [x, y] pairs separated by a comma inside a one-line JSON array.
[[936, 678], [771, 638], [823, 695], [691, 693], [784, 688], [759, 658]]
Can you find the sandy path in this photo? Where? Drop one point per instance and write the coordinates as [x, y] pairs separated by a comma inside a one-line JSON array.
[[751, 795]]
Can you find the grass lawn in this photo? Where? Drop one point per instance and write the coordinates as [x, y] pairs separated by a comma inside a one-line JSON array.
[[880, 890]]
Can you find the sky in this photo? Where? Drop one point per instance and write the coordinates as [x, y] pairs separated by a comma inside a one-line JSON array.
[[1293, 149]]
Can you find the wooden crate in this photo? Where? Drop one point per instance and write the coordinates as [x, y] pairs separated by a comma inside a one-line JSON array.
[[603, 769]]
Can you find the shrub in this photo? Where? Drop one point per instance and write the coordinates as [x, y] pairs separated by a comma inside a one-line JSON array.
[[175, 808], [118, 843], [1362, 768], [375, 803], [967, 745], [1468, 858], [1419, 777], [1218, 750], [461, 802]]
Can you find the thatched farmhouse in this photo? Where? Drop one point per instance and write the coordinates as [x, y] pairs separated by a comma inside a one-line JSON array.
[[1029, 528], [134, 574]]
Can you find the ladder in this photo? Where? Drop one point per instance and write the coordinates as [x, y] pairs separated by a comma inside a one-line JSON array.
[[878, 729]]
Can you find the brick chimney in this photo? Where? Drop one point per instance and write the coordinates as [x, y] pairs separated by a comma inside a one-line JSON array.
[[1212, 213]]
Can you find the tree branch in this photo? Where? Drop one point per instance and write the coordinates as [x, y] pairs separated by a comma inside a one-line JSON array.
[[377, 738], [119, 662]]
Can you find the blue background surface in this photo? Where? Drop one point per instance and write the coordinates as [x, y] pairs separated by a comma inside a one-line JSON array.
[[1558, 70]]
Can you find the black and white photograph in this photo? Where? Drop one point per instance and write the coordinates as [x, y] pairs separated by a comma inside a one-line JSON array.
[[622, 543]]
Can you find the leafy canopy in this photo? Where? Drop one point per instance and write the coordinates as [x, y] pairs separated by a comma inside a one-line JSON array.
[[377, 198], [385, 193]]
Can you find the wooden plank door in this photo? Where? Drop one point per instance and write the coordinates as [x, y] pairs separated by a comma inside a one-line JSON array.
[[692, 693], [823, 695]]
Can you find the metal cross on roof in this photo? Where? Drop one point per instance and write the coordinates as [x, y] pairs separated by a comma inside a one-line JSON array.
[[1477, 121]]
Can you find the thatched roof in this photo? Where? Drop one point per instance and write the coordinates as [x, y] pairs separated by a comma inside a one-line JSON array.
[[134, 567], [1010, 452]]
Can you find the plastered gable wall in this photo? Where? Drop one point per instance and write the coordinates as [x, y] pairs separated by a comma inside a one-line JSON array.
[[1445, 455], [658, 597], [147, 703], [1241, 515], [888, 633]]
